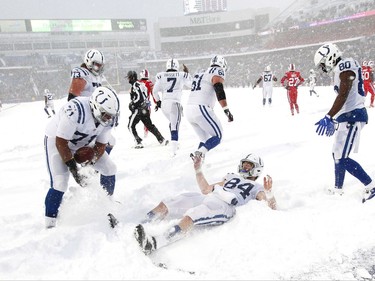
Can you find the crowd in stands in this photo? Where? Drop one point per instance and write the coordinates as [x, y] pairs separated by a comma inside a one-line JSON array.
[[333, 32], [24, 77], [314, 12]]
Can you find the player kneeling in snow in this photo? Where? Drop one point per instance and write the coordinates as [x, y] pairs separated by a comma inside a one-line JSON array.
[[216, 204], [83, 121]]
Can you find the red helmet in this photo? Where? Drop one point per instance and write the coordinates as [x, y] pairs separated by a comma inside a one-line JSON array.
[[144, 74]]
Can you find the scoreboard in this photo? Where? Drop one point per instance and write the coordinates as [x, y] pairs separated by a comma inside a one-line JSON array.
[[204, 6], [70, 25]]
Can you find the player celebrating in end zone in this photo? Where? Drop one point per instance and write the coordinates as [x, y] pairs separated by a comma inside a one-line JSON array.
[[207, 87], [83, 121], [215, 205], [347, 116]]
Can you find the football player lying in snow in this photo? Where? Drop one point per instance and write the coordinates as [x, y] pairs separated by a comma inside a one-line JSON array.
[[216, 204], [81, 122]]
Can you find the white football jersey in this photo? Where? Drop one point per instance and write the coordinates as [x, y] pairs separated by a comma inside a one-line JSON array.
[[244, 189], [267, 78], [49, 97], [202, 91], [171, 84], [312, 79], [92, 81], [356, 97], [75, 123]]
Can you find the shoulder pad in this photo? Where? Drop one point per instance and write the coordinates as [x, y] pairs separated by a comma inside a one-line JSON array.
[[79, 72], [75, 111], [217, 71]]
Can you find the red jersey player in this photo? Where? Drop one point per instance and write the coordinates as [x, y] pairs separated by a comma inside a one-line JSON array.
[[144, 78], [291, 80], [368, 80]]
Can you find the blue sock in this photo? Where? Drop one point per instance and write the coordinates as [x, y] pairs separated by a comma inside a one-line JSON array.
[[174, 135], [339, 173], [212, 142], [355, 169], [200, 145], [174, 230], [53, 202], [150, 215], [108, 149]]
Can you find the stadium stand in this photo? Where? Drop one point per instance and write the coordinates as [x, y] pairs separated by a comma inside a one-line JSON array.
[[30, 62]]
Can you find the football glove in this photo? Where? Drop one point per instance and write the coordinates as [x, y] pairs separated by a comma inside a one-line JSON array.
[[131, 106], [185, 69], [228, 114], [326, 126], [158, 105], [72, 166]]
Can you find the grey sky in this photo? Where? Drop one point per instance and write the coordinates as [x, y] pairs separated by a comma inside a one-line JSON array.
[[99, 9]]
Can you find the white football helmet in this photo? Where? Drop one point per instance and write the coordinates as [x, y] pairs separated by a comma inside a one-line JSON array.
[[144, 74], [364, 63], [172, 64], [267, 68], [94, 61], [256, 171], [219, 61], [46, 91], [312, 71], [370, 63], [327, 57], [105, 105], [291, 67]]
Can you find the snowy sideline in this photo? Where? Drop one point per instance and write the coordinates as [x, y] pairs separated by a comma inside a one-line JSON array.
[[312, 236]]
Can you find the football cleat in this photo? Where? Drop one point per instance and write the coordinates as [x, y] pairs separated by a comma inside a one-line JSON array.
[[164, 142], [335, 190], [50, 222], [138, 146], [372, 195], [146, 243], [368, 189]]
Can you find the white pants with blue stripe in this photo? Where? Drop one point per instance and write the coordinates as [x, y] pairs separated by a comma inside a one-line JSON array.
[[202, 209], [58, 171], [205, 123], [173, 111], [346, 139]]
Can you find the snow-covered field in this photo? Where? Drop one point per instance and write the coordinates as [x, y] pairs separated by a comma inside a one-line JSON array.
[[312, 235]]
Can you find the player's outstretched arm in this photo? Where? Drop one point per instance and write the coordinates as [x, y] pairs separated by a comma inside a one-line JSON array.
[[267, 194], [201, 180]]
